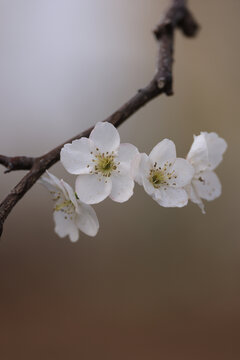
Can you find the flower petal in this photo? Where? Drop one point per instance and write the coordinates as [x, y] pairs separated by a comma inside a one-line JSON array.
[[198, 154], [128, 156], [70, 194], [162, 152], [76, 157], [193, 196], [143, 168], [207, 186], [105, 137], [53, 184], [45, 181], [73, 234], [87, 220], [148, 186], [216, 148], [170, 197], [183, 172], [64, 227], [206, 151], [92, 189], [122, 188]]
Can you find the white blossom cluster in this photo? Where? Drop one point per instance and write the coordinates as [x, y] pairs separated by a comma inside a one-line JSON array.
[[104, 167]]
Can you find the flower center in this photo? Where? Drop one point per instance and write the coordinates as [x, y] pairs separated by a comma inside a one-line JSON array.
[[161, 176], [64, 204], [67, 208], [104, 164], [157, 177]]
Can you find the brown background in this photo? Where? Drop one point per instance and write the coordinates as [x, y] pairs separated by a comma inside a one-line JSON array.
[[155, 283]]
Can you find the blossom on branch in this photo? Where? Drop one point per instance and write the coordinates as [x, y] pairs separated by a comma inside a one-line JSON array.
[[103, 165], [70, 214], [205, 155], [164, 176]]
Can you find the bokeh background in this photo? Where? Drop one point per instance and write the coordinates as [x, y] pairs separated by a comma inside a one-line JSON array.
[[155, 283]]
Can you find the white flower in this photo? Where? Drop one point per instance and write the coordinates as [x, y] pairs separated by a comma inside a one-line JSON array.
[[104, 167], [163, 176], [205, 155], [70, 215]]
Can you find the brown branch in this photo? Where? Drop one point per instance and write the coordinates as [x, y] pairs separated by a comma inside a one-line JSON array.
[[177, 16], [16, 163]]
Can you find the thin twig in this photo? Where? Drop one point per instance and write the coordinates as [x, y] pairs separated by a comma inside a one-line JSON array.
[[16, 163], [177, 16]]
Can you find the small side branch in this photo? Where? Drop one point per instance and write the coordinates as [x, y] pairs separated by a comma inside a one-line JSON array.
[[16, 162], [177, 16]]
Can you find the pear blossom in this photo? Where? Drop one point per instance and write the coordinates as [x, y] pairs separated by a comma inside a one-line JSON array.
[[70, 215], [164, 176], [205, 155], [103, 165]]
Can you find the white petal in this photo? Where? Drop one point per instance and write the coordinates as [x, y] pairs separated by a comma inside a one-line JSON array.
[[70, 194], [92, 189], [135, 166], [48, 184], [143, 168], [162, 152], [198, 154], [122, 188], [53, 184], [64, 227], [206, 151], [193, 196], [207, 186], [148, 186], [143, 174], [76, 157], [127, 152], [170, 197], [87, 220], [216, 148], [105, 137], [73, 234], [52, 179], [183, 172], [128, 156]]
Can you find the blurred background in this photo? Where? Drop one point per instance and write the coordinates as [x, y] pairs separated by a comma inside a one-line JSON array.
[[155, 283]]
